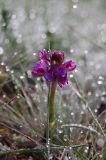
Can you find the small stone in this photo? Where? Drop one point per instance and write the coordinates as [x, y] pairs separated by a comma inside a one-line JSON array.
[[100, 142]]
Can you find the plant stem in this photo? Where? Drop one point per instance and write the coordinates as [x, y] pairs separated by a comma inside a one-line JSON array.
[[51, 110], [51, 103], [51, 115], [88, 128], [28, 151]]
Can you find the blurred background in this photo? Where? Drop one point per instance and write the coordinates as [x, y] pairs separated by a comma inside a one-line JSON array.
[[77, 27]]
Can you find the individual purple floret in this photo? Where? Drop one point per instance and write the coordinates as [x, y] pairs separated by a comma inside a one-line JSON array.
[[52, 67], [44, 55]]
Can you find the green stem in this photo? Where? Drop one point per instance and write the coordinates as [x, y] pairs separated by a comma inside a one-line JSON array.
[[51, 108], [51, 102], [28, 151], [51, 123]]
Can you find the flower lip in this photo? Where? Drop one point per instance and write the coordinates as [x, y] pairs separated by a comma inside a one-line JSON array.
[[62, 81]]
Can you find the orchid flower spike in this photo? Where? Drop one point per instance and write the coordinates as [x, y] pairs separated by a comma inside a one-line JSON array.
[[52, 67]]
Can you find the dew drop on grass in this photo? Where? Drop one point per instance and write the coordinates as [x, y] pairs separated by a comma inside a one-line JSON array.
[[65, 137], [7, 69], [1, 50], [2, 63], [34, 54], [99, 82], [4, 96], [60, 131], [22, 77], [12, 71], [74, 6], [86, 52], [72, 114], [71, 50], [82, 112], [71, 76], [95, 110]]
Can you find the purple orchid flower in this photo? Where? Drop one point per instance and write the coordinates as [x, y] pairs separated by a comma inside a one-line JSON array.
[[52, 67]]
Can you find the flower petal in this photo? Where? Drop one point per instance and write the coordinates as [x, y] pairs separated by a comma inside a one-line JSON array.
[[40, 68], [69, 65], [60, 73], [57, 57], [49, 76], [63, 80], [43, 54]]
